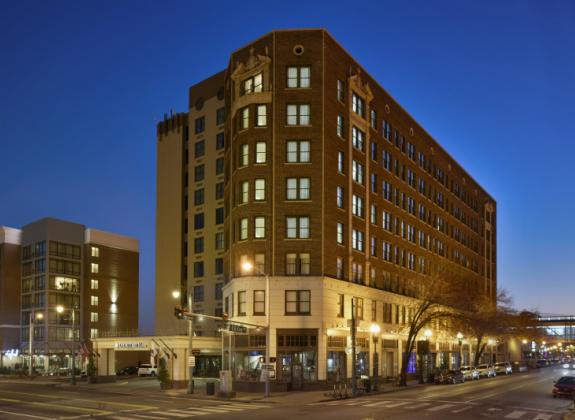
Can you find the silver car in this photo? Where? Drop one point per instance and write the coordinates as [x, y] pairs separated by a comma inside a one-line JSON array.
[[503, 368], [469, 373], [486, 370]]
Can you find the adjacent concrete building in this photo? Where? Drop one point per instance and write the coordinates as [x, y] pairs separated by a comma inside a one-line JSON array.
[[92, 275], [332, 191]]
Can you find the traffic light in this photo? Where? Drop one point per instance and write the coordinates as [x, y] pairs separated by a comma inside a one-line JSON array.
[[178, 312]]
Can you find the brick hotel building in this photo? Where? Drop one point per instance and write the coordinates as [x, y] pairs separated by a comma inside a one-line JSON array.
[[296, 161]]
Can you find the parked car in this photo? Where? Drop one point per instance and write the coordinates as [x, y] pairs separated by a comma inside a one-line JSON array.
[[127, 371], [469, 373], [503, 368], [449, 377], [486, 370], [147, 370], [564, 387], [541, 363]]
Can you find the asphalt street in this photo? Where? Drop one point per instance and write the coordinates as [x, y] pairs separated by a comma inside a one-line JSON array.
[[519, 396]]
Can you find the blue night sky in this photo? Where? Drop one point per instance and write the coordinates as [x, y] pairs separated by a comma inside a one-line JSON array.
[[83, 84]]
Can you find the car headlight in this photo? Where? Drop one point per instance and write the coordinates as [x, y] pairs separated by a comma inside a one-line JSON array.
[[566, 366]]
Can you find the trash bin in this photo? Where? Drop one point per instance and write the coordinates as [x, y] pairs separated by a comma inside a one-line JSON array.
[[210, 388]]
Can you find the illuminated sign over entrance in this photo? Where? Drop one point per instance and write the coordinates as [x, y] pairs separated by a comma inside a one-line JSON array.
[[134, 345]]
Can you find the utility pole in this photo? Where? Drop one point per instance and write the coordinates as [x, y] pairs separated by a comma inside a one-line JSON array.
[[73, 379], [353, 350]]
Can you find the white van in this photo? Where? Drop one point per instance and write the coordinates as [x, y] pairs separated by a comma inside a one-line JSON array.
[[147, 370]]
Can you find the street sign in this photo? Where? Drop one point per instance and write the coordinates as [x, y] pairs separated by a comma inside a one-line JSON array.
[[191, 361], [237, 328], [196, 352]]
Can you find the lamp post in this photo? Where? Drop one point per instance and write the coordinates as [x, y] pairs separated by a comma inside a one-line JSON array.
[[38, 316], [491, 342], [427, 334], [374, 330], [459, 340], [60, 309], [246, 268], [176, 295]]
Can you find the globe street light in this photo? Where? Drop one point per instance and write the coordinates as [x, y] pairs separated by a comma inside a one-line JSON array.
[[60, 310], [176, 295], [39, 316], [374, 330], [427, 334]]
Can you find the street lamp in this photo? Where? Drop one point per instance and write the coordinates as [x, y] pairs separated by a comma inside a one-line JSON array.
[[39, 316], [459, 340], [427, 334], [60, 310], [374, 330], [248, 267], [491, 342], [176, 295]]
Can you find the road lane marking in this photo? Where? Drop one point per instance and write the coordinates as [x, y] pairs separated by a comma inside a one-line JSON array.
[[515, 414], [541, 416], [440, 407], [460, 410], [396, 404], [420, 405], [171, 414], [142, 416], [375, 404], [24, 415], [58, 406]]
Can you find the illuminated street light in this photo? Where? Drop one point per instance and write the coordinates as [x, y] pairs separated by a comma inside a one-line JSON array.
[[176, 295], [374, 330], [39, 316], [428, 333], [60, 309], [460, 341]]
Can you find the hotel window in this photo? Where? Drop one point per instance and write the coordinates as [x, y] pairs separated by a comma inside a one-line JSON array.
[[261, 116], [298, 264], [220, 141], [357, 206], [220, 116], [411, 261], [200, 125], [357, 138], [298, 151], [93, 316], [219, 291], [198, 245], [94, 284], [298, 114], [219, 215], [199, 293], [259, 227], [340, 306], [259, 302], [374, 151], [244, 192], [297, 189], [259, 264], [94, 300], [199, 197], [340, 233], [93, 332], [261, 156], [242, 303], [356, 272], [340, 91], [297, 227], [386, 251], [373, 246], [219, 266], [219, 166], [357, 240], [386, 160], [220, 240], [298, 77], [260, 189], [198, 269], [340, 195], [357, 172], [94, 268], [411, 205], [373, 310], [411, 151], [410, 233], [358, 306], [253, 84], [244, 155], [298, 302], [422, 239], [245, 118], [243, 229], [198, 221], [340, 126], [373, 119], [410, 178], [340, 162], [339, 268], [386, 190], [358, 105], [95, 251], [386, 129], [374, 183], [373, 215], [199, 173], [199, 149], [219, 190]]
